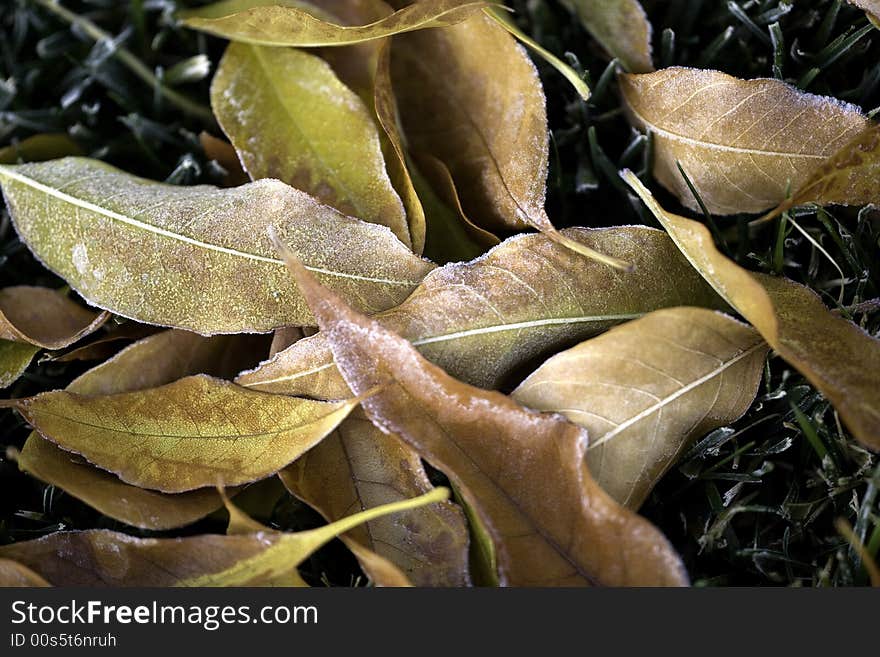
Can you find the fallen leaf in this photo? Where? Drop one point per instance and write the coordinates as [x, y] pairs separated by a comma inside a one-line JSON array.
[[357, 467], [44, 318], [198, 257], [742, 143], [849, 177], [482, 321], [484, 118], [522, 473], [295, 23], [38, 148], [105, 345], [647, 389], [289, 117], [834, 354], [621, 27], [14, 574], [209, 431], [151, 362], [385, 104], [100, 557]]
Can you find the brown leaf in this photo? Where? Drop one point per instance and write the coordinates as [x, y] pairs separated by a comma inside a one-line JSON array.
[[522, 472], [647, 389], [621, 26], [44, 317], [151, 362], [39, 148], [358, 467], [742, 143], [834, 354], [482, 321]]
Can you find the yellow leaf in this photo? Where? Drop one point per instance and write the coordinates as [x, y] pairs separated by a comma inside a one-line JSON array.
[[153, 361], [647, 389], [195, 432], [289, 117], [835, 355], [197, 257]]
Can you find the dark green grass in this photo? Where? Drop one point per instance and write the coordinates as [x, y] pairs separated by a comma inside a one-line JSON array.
[[754, 503]]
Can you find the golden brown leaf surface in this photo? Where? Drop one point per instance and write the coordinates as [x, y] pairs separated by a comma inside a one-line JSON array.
[[523, 473], [198, 257], [482, 321], [151, 362], [289, 117], [44, 318], [647, 389], [196, 432], [621, 26], [97, 558], [742, 143], [13, 573], [849, 177], [358, 467], [834, 354], [297, 24]]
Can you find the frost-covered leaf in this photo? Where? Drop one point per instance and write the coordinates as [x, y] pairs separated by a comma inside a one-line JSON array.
[[482, 321], [299, 24], [151, 362], [198, 257], [834, 354], [849, 177], [100, 557], [742, 143], [289, 117], [523, 473], [358, 467], [196, 432], [647, 389], [621, 26]]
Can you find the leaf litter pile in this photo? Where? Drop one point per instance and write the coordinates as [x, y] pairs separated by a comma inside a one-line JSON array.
[[537, 295]]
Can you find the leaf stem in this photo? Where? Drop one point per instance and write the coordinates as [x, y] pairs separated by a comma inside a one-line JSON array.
[[125, 56]]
